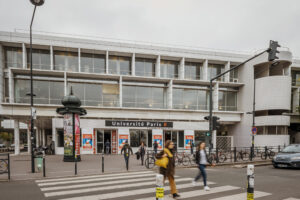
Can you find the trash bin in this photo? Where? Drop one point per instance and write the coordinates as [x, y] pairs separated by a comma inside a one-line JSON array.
[[38, 163]]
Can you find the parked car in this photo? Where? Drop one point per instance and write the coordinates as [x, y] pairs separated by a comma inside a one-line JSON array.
[[2, 146], [289, 157], [11, 147]]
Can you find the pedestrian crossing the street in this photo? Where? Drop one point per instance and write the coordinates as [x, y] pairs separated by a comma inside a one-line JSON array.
[[135, 186]]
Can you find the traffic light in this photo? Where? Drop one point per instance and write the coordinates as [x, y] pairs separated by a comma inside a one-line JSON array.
[[206, 118], [216, 124], [273, 50], [207, 134]]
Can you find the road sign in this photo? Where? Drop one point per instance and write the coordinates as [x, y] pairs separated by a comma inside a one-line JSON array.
[[254, 130]]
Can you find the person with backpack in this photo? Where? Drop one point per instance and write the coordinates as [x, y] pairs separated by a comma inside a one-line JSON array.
[[142, 152], [127, 149], [169, 170], [202, 161]]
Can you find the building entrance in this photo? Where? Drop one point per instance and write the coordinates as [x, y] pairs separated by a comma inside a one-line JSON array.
[[107, 141]]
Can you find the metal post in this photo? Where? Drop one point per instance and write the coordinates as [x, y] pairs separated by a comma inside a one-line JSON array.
[[250, 182], [278, 148], [266, 152], [44, 164], [31, 96], [234, 153], [217, 155], [8, 165], [253, 116], [159, 187], [103, 162], [210, 116], [75, 164]]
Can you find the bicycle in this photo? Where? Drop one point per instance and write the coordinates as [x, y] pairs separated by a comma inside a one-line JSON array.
[[243, 155], [184, 159], [212, 158], [150, 161], [3, 166], [269, 153]]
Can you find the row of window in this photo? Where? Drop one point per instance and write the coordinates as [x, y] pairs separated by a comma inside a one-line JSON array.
[[107, 95], [121, 65], [272, 130]]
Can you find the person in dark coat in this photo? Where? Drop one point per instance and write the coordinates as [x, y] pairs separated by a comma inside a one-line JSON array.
[[107, 146], [142, 151], [127, 149], [169, 172], [192, 147], [202, 161], [155, 146]]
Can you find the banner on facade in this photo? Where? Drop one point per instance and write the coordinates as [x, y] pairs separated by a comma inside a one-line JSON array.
[[122, 140], [68, 135], [157, 135], [77, 134], [118, 123], [114, 142], [188, 139]]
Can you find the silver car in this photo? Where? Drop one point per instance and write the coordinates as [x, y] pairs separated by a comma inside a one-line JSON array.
[[289, 157]]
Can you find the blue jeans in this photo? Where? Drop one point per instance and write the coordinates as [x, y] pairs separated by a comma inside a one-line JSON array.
[[202, 173]]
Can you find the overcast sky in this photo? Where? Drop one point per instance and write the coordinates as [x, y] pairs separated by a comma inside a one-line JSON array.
[[239, 25]]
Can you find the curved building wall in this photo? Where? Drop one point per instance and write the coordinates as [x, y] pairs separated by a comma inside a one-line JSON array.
[[273, 93], [272, 120]]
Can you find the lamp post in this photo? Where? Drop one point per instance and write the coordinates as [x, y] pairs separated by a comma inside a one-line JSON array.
[[35, 3]]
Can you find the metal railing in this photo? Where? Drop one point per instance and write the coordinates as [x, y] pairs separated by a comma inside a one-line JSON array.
[[5, 164]]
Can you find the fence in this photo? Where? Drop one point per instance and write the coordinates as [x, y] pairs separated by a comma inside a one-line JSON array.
[[5, 164], [221, 155]]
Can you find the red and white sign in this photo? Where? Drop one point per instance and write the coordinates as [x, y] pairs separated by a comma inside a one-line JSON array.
[[77, 134], [157, 136], [188, 138], [87, 140], [114, 142]]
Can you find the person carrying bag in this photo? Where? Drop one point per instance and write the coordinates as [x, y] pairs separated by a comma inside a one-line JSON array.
[[166, 163]]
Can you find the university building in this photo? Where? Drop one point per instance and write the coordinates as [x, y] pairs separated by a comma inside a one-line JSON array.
[[145, 93]]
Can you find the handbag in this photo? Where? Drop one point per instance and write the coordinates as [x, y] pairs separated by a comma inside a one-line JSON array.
[[137, 155], [164, 161]]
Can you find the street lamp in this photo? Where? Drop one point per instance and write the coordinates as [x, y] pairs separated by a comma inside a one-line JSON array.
[[35, 3]]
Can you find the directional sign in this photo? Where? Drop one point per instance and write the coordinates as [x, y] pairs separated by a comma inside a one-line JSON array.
[[254, 130]]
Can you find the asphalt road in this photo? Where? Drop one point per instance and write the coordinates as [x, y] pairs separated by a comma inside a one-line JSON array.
[[277, 184]]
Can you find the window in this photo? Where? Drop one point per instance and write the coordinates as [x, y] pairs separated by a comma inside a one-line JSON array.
[[227, 100], [66, 61], [144, 67], [144, 97], [47, 92], [192, 70], [40, 59], [190, 99], [272, 130], [296, 78], [137, 137], [13, 57], [169, 69], [200, 136], [119, 65], [92, 63], [233, 74], [181, 138], [106, 95], [60, 138], [214, 70]]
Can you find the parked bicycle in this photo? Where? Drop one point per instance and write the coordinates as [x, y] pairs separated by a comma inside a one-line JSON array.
[[268, 153], [182, 158], [150, 160], [242, 155], [3, 166]]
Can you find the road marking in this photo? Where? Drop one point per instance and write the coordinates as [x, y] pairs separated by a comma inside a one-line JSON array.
[[291, 199], [94, 176], [201, 192], [95, 179], [96, 189], [257, 194], [128, 193]]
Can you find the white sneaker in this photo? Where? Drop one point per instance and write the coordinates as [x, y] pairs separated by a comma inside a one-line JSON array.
[[194, 183], [206, 188]]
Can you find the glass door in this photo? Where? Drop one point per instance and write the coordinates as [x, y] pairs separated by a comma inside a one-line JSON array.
[[100, 137]]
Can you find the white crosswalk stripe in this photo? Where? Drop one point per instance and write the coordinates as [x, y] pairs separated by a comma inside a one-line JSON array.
[[291, 198], [134, 185]]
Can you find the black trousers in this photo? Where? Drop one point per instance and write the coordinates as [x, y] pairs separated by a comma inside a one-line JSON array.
[[126, 157], [142, 158]]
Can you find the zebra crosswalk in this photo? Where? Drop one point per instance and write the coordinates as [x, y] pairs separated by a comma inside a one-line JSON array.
[[134, 186]]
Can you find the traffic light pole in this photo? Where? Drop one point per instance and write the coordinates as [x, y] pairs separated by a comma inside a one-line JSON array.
[[210, 95]]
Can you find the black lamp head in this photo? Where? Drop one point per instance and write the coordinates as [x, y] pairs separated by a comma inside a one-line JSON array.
[[37, 2]]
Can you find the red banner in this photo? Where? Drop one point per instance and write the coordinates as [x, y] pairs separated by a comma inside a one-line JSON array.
[[77, 134], [114, 141]]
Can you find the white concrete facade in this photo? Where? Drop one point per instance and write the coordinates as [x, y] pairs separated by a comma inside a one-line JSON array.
[[273, 89]]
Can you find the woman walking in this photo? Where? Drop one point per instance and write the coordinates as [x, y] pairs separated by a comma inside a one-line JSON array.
[[142, 151], [201, 160], [169, 172]]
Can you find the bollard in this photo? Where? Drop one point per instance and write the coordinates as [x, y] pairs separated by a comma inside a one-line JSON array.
[[217, 155], [159, 187], [234, 154], [8, 165], [266, 152], [250, 182], [44, 164], [75, 164], [102, 162]]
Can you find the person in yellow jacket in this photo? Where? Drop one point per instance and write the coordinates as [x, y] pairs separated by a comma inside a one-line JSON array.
[[169, 171]]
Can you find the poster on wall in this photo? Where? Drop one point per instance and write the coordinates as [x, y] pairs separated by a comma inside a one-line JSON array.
[[68, 135], [114, 142], [87, 140], [122, 140], [77, 134], [188, 138], [157, 135]]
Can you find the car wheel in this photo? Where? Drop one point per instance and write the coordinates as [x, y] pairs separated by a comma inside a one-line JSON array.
[[275, 166]]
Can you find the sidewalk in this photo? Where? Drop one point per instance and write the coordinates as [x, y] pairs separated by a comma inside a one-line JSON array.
[[55, 167]]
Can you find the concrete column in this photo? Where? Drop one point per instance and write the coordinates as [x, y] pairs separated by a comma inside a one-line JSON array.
[[214, 138], [170, 95], [121, 92], [133, 64], [28, 140], [1, 75], [204, 75], [181, 69], [216, 97], [24, 58], [54, 133], [37, 137], [65, 84], [11, 86], [17, 137], [227, 76], [51, 58], [106, 62], [157, 67], [43, 137], [79, 60]]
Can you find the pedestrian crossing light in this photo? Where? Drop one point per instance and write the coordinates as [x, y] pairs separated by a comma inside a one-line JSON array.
[[273, 50], [207, 134], [216, 123]]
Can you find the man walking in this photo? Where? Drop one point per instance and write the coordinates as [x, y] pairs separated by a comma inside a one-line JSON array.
[[107, 146], [126, 148]]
